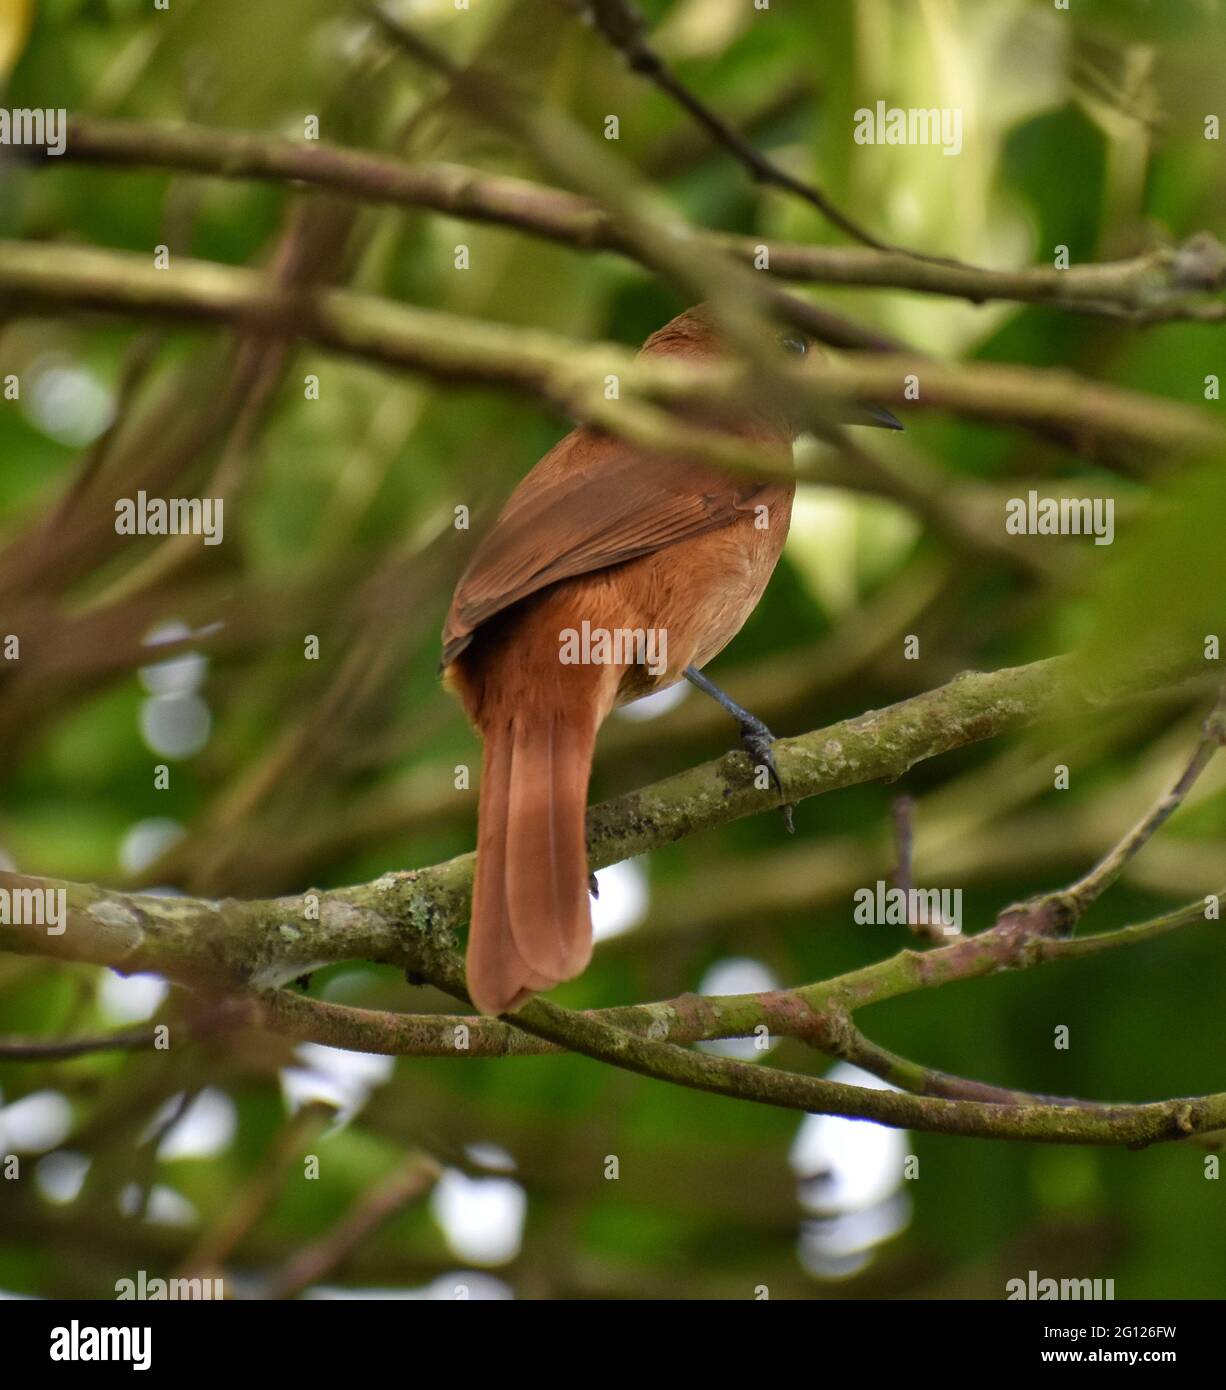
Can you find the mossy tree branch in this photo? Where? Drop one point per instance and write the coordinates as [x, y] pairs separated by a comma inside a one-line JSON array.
[[231, 949]]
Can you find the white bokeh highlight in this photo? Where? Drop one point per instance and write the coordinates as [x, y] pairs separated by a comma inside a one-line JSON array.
[[66, 402], [623, 901], [130, 998], [35, 1123], [175, 726], [336, 1077], [177, 675], [738, 975], [60, 1176], [849, 1176], [165, 1206], [146, 842], [482, 1219], [205, 1129]]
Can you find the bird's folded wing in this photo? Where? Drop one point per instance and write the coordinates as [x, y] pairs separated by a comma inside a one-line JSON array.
[[617, 506]]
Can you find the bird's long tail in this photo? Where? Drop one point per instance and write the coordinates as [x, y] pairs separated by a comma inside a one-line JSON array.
[[531, 922]]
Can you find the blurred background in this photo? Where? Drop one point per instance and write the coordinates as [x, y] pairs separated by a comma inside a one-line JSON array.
[[1084, 129]]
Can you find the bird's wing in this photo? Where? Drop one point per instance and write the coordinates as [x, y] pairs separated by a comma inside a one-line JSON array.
[[614, 506]]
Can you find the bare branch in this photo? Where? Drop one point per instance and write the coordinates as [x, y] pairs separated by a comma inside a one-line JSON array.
[[407, 1183], [1082, 893], [1160, 285], [61, 1049], [571, 376], [623, 26]]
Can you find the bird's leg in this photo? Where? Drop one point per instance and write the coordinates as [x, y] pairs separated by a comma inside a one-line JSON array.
[[756, 738]]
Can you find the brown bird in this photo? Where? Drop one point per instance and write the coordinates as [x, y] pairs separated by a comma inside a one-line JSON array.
[[608, 575]]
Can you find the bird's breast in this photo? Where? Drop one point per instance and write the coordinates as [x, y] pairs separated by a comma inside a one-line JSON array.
[[697, 594]]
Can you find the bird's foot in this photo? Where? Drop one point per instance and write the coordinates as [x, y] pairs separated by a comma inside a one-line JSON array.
[[757, 740]]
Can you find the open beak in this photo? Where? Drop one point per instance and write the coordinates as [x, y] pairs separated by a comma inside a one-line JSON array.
[[877, 415]]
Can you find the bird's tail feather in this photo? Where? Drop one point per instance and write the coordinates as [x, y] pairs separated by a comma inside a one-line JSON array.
[[531, 923]]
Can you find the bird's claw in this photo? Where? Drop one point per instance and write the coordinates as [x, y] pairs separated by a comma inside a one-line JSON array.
[[757, 741]]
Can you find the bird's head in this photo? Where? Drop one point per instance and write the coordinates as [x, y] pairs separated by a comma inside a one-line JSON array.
[[695, 334]]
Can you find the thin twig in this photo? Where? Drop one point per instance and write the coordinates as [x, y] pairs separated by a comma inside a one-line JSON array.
[[623, 27], [62, 1049], [901, 809], [410, 1181], [1092, 885], [930, 928], [816, 1014], [244, 1209]]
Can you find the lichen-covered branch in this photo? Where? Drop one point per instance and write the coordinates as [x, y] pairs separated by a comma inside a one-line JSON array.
[[231, 949], [1040, 1122], [409, 919]]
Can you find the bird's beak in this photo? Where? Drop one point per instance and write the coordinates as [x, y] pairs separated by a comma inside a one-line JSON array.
[[878, 416]]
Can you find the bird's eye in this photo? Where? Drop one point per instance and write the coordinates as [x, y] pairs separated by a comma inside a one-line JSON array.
[[793, 342]]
